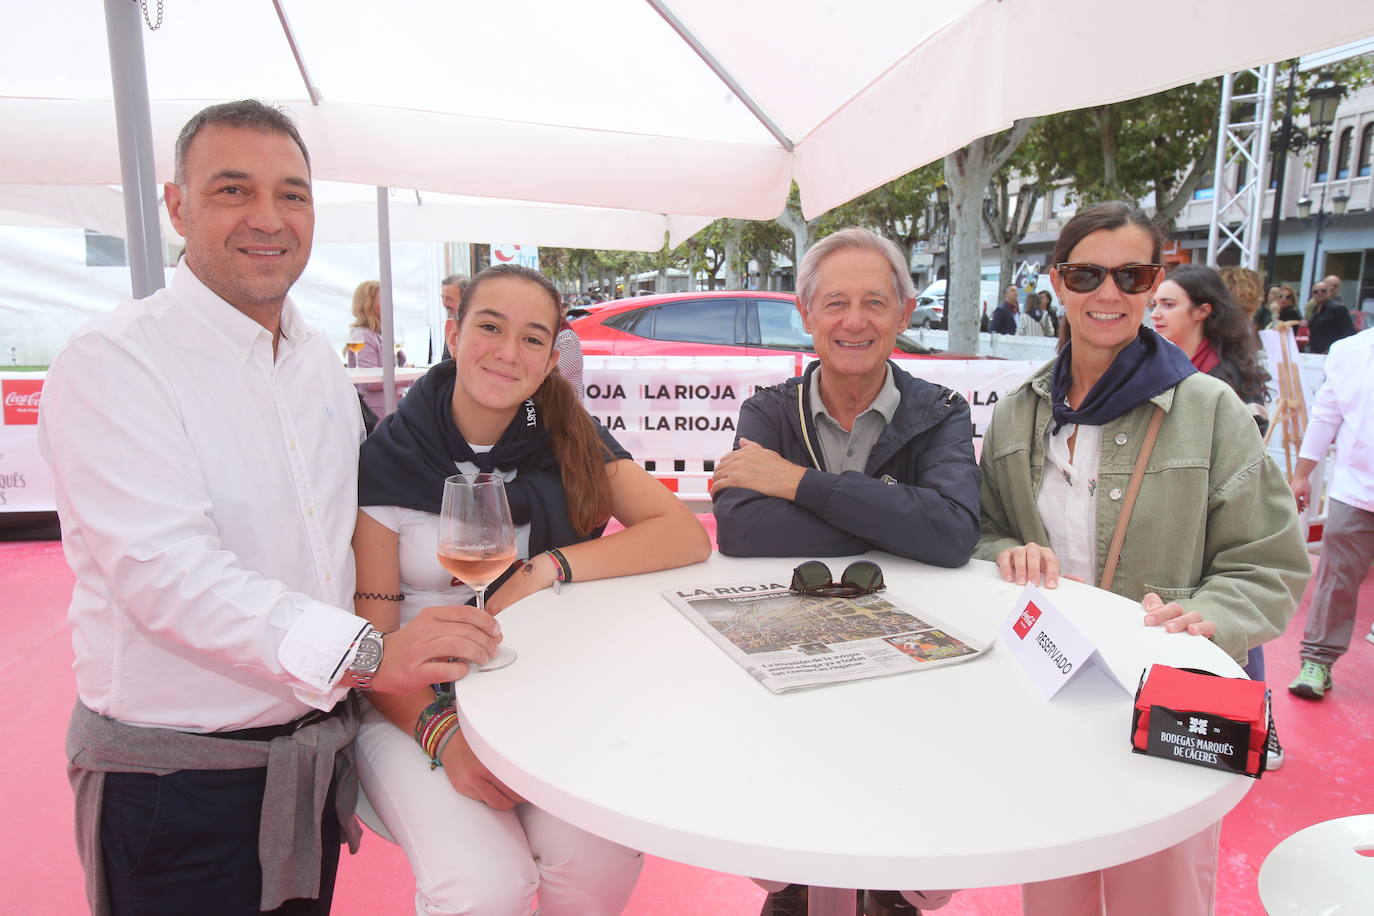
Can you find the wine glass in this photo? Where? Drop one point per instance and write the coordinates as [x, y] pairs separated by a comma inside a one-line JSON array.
[[356, 340], [477, 539]]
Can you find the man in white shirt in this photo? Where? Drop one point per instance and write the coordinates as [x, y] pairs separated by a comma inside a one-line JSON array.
[[204, 446], [1343, 412]]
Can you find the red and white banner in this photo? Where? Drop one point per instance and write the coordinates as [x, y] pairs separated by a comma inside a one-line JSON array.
[[25, 482], [679, 412]]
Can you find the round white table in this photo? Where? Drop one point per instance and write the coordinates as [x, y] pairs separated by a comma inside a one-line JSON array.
[[621, 717]]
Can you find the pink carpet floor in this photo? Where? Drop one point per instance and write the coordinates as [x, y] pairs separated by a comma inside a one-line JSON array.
[[1330, 773]]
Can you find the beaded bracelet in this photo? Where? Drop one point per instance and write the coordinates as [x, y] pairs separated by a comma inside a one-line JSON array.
[[434, 724]]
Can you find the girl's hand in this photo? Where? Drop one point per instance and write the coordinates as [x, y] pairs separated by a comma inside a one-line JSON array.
[[469, 777], [532, 575]]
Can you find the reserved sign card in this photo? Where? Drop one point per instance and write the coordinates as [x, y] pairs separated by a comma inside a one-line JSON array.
[[1050, 648]]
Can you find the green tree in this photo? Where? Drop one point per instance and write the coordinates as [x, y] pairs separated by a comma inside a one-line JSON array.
[[968, 172], [895, 210]]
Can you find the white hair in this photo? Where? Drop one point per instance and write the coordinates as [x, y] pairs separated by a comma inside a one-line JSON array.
[[808, 272]]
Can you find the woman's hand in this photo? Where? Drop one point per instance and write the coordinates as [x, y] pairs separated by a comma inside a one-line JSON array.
[[1174, 618], [469, 777], [1031, 562]]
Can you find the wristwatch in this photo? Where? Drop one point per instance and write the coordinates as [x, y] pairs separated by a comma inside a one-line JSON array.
[[366, 660]]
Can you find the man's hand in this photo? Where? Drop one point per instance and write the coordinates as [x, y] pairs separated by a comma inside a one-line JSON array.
[[1302, 490], [1032, 563], [420, 652], [1174, 618], [756, 468], [467, 774]]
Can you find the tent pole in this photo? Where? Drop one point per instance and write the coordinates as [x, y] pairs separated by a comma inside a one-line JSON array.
[[384, 295], [134, 125]]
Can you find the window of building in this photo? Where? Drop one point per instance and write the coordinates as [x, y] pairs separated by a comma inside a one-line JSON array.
[[105, 250], [1366, 150], [1206, 187], [1343, 153], [1322, 169]]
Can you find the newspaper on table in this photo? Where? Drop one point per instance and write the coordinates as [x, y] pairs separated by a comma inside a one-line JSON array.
[[790, 641]]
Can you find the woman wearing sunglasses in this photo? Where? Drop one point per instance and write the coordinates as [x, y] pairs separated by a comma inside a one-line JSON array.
[[1284, 304], [1212, 545]]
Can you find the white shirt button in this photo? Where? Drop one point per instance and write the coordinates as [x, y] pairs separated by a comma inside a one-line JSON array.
[[1115, 494], [310, 510], [1121, 439]]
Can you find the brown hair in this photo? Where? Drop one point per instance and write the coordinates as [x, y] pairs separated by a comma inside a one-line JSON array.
[[1245, 286], [1112, 214], [1228, 328], [576, 442], [245, 113]]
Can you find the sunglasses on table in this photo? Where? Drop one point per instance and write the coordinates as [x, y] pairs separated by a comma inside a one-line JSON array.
[[1130, 278], [862, 577]]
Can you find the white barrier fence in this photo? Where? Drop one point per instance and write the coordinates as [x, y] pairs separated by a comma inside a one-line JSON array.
[[675, 414]]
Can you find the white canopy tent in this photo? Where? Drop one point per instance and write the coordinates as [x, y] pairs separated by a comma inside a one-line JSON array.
[[691, 107], [348, 213], [707, 107]]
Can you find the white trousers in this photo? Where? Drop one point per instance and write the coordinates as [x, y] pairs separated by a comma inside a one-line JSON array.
[[1179, 881], [469, 858]]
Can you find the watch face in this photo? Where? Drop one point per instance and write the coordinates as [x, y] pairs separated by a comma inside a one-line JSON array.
[[369, 654]]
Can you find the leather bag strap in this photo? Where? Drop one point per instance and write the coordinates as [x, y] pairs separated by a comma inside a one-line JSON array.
[[1138, 475]]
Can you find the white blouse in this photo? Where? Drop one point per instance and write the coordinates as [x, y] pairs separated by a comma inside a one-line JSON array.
[[1065, 501], [423, 581]]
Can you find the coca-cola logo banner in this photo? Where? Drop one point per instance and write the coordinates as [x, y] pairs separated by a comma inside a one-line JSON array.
[[21, 398]]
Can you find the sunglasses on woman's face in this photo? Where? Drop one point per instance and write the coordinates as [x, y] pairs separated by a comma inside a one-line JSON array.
[[1130, 278], [862, 577]]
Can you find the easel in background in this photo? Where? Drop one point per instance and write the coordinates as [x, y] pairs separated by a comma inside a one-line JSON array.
[[1290, 410]]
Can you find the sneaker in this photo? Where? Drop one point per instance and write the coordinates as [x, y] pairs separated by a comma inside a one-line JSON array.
[[1370, 635], [1275, 751], [1313, 681]]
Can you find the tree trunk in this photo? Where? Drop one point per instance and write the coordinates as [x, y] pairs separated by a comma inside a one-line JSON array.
[[967, 172], [733, 233], [1008, 252], [1104, 115], [801, 230]]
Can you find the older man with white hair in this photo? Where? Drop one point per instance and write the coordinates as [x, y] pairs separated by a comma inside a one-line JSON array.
[[854, 455]]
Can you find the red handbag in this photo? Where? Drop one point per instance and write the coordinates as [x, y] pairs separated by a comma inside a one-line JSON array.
[[1201, 718]]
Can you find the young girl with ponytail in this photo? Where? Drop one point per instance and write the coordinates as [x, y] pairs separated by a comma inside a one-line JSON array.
[[498, 406]]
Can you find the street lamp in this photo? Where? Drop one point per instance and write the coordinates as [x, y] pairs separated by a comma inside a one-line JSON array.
[[1322, 103], [1338, 204]]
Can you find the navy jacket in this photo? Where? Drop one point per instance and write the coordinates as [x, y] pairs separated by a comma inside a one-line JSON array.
[[1003, 320], [918, 497]]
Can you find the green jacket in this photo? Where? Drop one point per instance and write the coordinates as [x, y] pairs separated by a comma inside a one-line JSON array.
[[1214, 528]]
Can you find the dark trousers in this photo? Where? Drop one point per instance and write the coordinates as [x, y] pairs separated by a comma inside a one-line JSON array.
[[188, 843]]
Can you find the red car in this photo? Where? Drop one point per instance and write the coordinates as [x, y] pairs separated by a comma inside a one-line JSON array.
[[724, 323]]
